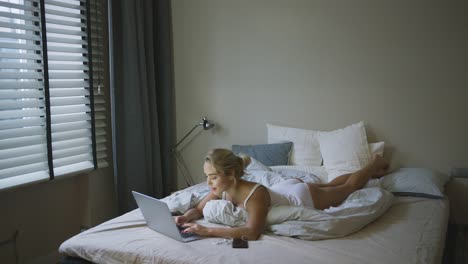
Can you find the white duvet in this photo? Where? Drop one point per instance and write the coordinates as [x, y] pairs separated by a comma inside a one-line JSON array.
[[360, 208]]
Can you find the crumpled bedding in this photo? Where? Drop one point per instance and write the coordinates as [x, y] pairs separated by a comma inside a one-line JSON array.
[[359, 209]]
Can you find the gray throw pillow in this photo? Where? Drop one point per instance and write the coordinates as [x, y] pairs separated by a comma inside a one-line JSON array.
[[421, 182], [268, 154]]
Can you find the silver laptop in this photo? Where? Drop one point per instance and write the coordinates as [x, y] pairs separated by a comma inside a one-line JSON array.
[[159, 218]]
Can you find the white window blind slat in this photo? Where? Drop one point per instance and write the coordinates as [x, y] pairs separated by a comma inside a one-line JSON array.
[[21, 75], [98, 99], [23, 113], [64, 22], [56, 128], [61, 92], [68, 75], [100, 132], [99, 115], [60, 110], [66, 32], [66, 5], [100, 123], [21, 132], [19, 16], [74, 168], [101, 148], [101, 155], [32, 84], [15, 36], [65, 14], [102, 163], [66, 40], [71, 143], [24, 179], [23, 93], [76, 100], [27, 6], [60, 66], [17, 26], [19, 65], [62, 57], [22, 47], [67, 49], [99, 108], [30, 168], [18, 104], [22, 142], [59, 119], [22, 161], [23, 122], [73, 152], [68, 84], [75, 134], [72, 160], [22, 56], [101, 139], [23, 151]]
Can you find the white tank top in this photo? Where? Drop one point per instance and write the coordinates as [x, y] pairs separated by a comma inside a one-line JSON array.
[[248, 196]]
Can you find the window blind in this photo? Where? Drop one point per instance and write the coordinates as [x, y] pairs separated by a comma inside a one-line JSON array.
[[48, 123], [69, 69], [98, 19], [23, 133]]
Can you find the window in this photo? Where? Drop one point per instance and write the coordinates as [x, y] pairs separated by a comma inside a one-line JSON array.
[[52, 104]]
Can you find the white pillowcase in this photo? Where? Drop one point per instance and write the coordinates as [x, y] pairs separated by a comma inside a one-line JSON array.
[[344, 150], [376, 148], [420, 182], [256, 165], [305, 150]]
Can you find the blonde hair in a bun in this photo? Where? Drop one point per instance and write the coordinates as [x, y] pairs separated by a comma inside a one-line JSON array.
[[225, 161]]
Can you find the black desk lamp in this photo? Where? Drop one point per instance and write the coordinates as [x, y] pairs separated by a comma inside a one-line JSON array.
[[206, 125]]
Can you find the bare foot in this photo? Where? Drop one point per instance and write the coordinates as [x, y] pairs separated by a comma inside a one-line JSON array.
[[381, 166]]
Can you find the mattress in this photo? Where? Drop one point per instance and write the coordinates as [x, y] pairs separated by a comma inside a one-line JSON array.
[[411, 231]]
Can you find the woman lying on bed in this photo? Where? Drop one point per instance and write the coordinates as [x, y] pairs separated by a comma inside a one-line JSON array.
[[224, 170]]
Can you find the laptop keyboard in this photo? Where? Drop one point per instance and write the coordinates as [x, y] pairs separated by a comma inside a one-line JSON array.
[[185, 235]]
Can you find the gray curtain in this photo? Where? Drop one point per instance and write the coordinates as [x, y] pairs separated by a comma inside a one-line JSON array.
[[143, 99]]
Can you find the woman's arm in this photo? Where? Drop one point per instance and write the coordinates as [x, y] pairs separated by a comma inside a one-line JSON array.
[[196, 212], [257, 207]]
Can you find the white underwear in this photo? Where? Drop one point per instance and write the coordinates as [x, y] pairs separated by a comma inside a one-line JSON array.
[[291, 192]]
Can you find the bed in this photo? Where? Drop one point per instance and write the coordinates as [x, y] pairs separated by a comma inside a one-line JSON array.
[[400, 218], [412, 230]]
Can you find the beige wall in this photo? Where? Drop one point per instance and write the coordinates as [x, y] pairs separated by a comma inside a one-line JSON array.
[[400, 66]]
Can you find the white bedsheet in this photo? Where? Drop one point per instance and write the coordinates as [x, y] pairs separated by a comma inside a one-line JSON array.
[[411, 231]]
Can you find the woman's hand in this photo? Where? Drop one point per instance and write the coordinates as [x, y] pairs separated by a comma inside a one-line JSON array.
[[196, 228], [181, 219]]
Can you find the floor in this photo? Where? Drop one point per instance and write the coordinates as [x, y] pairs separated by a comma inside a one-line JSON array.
[[456, 246]]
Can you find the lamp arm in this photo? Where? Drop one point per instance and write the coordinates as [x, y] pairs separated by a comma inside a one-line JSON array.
[[186, 135]]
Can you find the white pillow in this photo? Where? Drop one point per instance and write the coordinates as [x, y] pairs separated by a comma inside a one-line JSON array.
[[256, 165], [305, 150], [376, 148], [344, 150], [421, 182]]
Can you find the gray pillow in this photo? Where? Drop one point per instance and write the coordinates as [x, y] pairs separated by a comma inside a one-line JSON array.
[[268, 154], [421, 182]]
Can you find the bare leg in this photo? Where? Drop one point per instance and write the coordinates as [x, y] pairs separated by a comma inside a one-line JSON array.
[[335, 182], [327, 196]]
